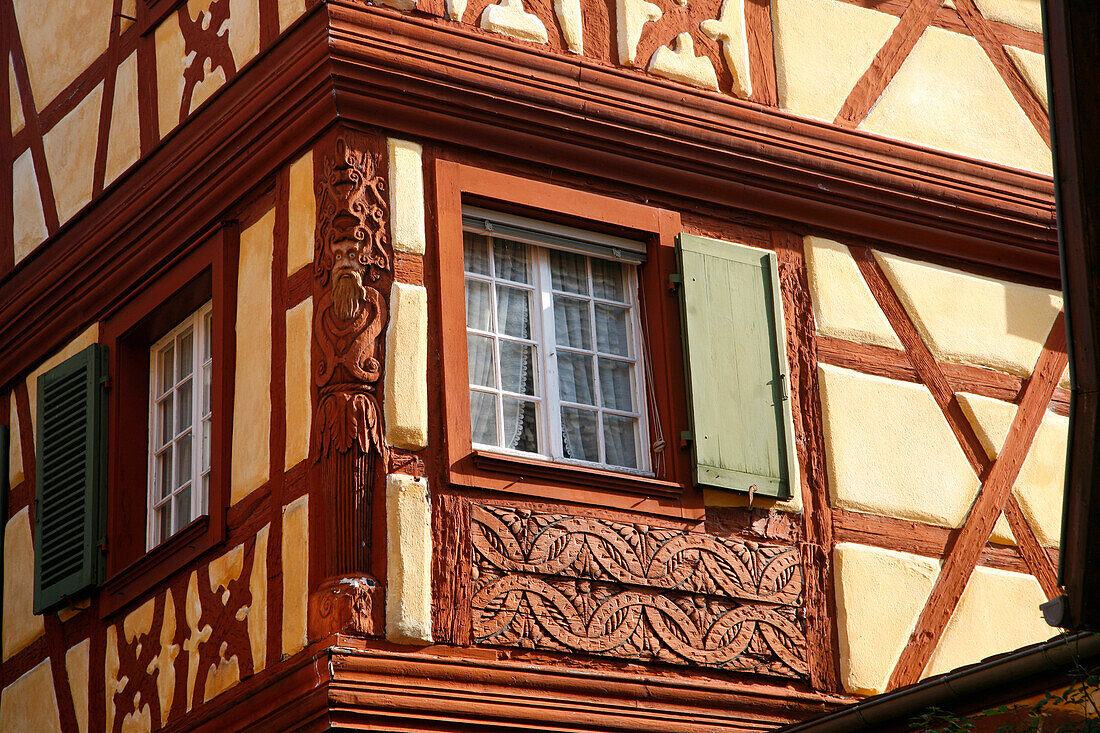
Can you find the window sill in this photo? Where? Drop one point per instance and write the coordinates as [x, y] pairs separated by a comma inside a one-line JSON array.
[[582, 476], [154, 567]]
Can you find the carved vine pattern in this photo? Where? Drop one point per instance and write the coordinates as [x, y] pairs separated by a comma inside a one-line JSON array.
[[584, 585]]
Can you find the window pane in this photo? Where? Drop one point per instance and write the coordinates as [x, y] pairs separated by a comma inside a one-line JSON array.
[[167, 378], [513, 312], [619, 440], [186, 354], [615, 385], [510, 260], [483, 418], [517, 367], [575, 378], [164, 474], [479, 313], [166, 423], [183, 407], [607, 280], [572, 324], [569, 272], [520, 425], [479, 352], [475, 253], [207, 376], [207, 334], [183, 460], [579, 434], [613, 329], [165, 522], [206, 430], [182, 501]]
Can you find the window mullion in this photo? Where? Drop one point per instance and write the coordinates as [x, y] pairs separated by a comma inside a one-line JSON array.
[[596, 393], [550, 354], [640, 369], [196, 413]]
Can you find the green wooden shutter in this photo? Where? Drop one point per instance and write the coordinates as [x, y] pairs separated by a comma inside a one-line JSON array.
[[736, 367], [70, 479]]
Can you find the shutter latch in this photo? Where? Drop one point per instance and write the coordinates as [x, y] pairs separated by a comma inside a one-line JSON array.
[[686, 437], [675, 280]]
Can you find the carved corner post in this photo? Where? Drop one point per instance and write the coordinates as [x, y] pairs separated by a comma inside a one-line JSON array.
[[352, 268]]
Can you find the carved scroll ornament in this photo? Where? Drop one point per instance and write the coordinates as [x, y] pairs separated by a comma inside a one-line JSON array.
[[594, 586]]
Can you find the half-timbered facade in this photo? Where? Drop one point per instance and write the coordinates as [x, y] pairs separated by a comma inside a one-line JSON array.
[[676, 365]]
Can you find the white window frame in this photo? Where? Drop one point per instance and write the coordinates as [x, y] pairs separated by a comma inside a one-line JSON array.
[[198, 324], [547, 395]]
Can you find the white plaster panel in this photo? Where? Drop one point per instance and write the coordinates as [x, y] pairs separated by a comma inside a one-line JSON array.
[[406, 396], [1040, 487], [124, 145], [879, 595], [822, 48], [948, 95], [998, 612], [60, 40], [890, 451], [70, 154], [971, 319], [30, 703], [1025, 14], [1033, 68], [409, 559], [295, 574], [406, 196], [844, 307], [29, 227]]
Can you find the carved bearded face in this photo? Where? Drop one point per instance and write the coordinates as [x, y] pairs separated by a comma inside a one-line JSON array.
[[347, 280]]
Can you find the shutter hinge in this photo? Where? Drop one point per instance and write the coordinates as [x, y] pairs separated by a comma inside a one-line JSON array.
[[685, 438], [674, 280], [105, 382]]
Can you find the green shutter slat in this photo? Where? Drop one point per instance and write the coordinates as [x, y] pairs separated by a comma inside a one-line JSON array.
[[70, 479], [735, 361]]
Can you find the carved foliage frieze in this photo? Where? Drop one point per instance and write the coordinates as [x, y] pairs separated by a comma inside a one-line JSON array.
[[584, 585]]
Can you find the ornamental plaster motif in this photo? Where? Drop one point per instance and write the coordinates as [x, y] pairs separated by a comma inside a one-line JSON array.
[[206, 43], [206, 616], [594, 586]]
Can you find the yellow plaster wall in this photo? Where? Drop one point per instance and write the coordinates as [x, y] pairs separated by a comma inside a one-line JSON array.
[[302, 217], [290, 11], [29, 226], [252, 383], [948, 95], [60, 40], [998, 612], [406, 196], [257, 611], [890, 450], [21, 625], [299, 409], [1032, 67], [844, 307], [970, 319], [1041, 483], [164, 665], [76, 668], [124, 145], [1025, 14], [29, 703], [295, 574], [70, 154], [78, 344], [822, 48], [244, 29], [15, 102], [406, 400], [409, 559], [879, 595], [170, 65], [15, 446]]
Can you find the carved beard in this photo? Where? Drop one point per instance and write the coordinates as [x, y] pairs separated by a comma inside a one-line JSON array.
[[347, 295]]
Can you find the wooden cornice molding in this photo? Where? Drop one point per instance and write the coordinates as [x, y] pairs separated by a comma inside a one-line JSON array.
[[430, 78], [439, 691]]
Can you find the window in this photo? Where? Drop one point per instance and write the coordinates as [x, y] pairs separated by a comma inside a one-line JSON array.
[[559, 339], [553, 343], [180, 426]]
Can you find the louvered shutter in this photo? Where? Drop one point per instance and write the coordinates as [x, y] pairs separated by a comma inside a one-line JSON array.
[[736, 367], [70, 479]]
